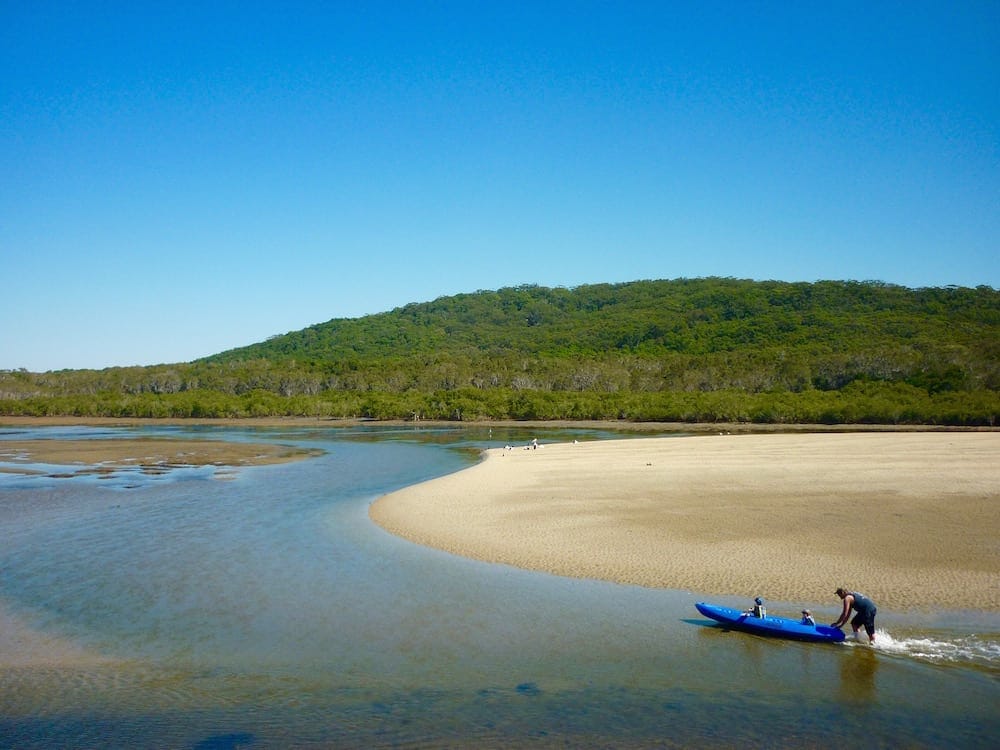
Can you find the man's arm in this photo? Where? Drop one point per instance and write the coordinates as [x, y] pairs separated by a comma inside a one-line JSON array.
[[845, 613]]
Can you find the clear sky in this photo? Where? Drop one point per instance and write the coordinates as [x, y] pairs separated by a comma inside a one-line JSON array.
[[182, 178]]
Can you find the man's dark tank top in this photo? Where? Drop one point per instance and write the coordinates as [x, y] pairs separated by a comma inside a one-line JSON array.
[[862, 603]]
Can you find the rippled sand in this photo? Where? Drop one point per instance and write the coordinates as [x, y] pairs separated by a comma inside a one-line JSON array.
[[22, 645], [911, 519]]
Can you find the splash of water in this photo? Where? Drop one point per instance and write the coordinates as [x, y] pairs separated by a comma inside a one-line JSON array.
[[965, 650]]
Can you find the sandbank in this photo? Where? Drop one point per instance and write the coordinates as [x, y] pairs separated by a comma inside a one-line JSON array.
[[912, 519], [152, 453]]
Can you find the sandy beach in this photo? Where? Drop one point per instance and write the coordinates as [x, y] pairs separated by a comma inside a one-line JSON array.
[[911, 519]]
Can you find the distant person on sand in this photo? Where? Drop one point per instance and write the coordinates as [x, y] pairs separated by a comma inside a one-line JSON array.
[[865, 609]]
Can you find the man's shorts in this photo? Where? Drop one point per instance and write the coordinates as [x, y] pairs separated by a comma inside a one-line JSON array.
[[866, 618]]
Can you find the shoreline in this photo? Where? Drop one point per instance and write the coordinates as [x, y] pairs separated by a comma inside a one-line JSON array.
[[607, 424], [911, 518]]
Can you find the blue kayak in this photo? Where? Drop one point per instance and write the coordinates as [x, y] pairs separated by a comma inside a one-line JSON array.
[[779, 627]]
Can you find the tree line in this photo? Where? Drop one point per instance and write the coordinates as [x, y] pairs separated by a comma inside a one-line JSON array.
[[681, 350]]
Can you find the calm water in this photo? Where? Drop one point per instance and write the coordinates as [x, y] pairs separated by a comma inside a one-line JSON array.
[[266, 610]]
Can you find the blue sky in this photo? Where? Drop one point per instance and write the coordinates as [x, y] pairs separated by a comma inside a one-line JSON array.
[[180, 180]]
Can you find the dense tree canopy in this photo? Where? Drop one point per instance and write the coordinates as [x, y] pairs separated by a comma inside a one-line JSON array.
[[688, 349]]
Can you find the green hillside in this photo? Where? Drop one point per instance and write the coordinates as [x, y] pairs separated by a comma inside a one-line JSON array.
[[687, 349]]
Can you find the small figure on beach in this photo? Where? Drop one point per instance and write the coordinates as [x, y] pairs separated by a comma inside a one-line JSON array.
[[758, 609], [807, 618], [534, 442], [865, 609]]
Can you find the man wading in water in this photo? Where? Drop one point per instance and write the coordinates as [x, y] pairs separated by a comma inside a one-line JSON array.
[[865, 608]]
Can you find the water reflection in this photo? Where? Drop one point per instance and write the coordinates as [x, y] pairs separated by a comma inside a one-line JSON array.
[[858, 668]]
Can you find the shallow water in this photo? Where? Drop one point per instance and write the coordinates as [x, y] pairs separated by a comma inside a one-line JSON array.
[[268, 611]]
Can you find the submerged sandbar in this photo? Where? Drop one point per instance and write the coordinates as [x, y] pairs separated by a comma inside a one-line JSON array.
[[912, 519], [18, 455]]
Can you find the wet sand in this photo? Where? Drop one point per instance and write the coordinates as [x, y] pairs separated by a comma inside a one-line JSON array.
[[154, 453], [911, 519]]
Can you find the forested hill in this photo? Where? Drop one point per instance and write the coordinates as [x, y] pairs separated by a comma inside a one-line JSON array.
[[688, 317], [714, 348]]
